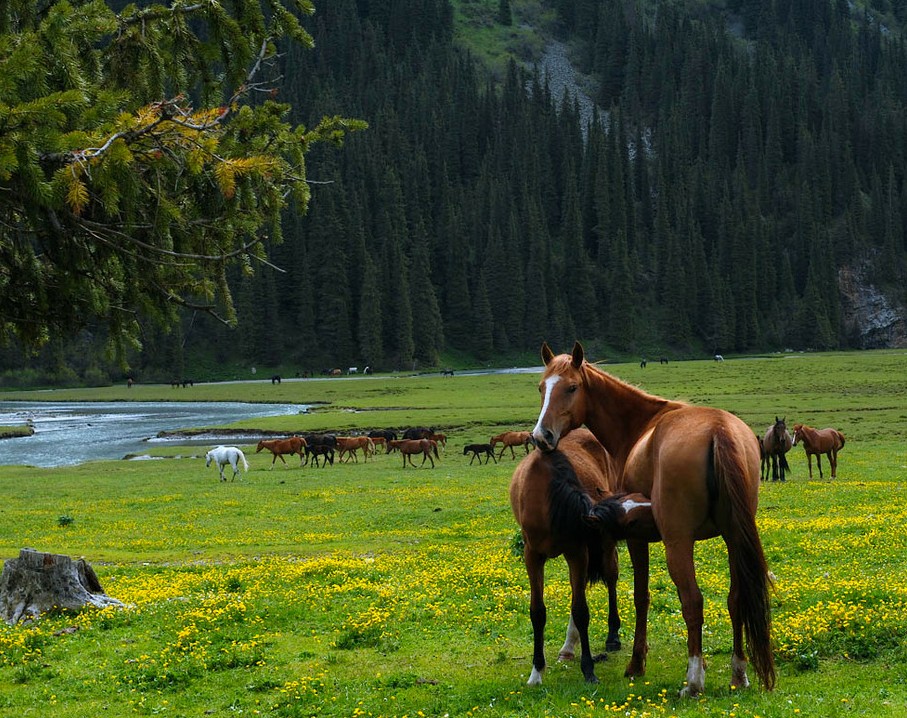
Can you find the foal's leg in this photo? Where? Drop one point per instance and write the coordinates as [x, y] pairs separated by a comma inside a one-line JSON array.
[[679, 555], [535, 568], [612, 572], [579, 611], [819, 464], [639, 556]]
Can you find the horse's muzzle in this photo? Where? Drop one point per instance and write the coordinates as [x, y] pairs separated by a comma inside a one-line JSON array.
[[544, 440]]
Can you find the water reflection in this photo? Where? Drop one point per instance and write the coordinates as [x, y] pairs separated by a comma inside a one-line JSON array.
[[68, 433]]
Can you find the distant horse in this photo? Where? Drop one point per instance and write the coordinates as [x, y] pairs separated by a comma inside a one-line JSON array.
[[129, 382], [447, 372], [642, 364], [409, 447], [439, 438], [477, 450], [385, 434], [279, 447], [351, 444], [775, 445], [718, 357], [553, 497], [511, 439], [314, 451], [275, 379], [419, 432], [223, 455], [700, 466], [818, 442]]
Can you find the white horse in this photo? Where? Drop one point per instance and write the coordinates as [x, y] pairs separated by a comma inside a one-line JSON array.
[[224, 455]]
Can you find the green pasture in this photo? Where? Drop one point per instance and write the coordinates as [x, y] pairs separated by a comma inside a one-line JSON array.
[[368, 589]]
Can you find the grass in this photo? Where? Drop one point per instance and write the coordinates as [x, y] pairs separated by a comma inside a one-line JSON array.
[[368, 589]]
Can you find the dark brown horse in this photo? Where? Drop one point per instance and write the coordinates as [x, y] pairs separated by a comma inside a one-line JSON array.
[[700, 466], [818, 442], [775, 445], [511, 439], [409, 447], [478, 450], [279, 447], [552, 496]]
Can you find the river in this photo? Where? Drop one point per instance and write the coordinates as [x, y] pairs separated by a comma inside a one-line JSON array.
[[68, 433]]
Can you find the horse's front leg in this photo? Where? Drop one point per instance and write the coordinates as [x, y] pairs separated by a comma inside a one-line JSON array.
[[579, 611], [612, 572], [679, 555], [535, 569], [639, 556]]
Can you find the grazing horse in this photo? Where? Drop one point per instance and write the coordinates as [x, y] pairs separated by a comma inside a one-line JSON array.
[[552, 496], [478, 449], [409, 447], [351, 444], [818, 442], [419, 432], [511, 439], [279, 447], [775, 445], [700, 466], [223, 455], [385, 435]]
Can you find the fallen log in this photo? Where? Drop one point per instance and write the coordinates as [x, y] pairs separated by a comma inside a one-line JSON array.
[[38, 582]]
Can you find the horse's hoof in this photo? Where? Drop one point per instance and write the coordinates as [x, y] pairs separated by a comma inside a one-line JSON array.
[[566, 656], [612, 645], [600, 658], [592, 678]]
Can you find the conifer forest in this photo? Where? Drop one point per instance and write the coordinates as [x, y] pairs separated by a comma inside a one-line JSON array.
[[745, 165]]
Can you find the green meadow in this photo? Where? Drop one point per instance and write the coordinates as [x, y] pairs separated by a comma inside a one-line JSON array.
[[369, 589]]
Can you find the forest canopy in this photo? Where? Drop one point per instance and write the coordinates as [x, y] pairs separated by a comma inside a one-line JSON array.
[[142, 153]]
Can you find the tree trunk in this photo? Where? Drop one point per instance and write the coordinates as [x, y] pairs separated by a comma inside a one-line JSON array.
[[37, 582]]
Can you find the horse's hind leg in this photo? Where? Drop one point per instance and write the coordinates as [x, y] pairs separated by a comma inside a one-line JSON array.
[[833, 460], [679, 555], [819, 464], [739, 678], [612, 570]]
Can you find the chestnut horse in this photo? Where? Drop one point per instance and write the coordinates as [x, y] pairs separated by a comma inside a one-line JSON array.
[[552, 496], [775, 445], [818, 442], [700, 466], [511, 439], [351, 444], [279, 447], [409, 447]]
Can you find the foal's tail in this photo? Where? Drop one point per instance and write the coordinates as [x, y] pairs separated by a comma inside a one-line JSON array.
[[749, 571]]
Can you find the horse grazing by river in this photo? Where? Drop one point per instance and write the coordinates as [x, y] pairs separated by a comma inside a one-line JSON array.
[[818, 442], [775, 445], [553, 496], [700, 468], [279, 447], [223, 455]]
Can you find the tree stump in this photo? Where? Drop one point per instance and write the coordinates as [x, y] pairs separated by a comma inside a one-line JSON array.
[[37, 582]]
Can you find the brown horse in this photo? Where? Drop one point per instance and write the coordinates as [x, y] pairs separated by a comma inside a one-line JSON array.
[[279, 447], [351, 444], [775, 445], [511, 439], [552, 496], [700, 466], [818, 442], [410, 447]]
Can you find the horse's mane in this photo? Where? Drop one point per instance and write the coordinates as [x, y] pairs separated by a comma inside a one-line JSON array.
[[569, 505], [626, 387]]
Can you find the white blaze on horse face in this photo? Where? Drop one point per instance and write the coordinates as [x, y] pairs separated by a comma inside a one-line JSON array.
[[549, 387]]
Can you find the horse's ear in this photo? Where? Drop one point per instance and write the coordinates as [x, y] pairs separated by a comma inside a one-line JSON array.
[[578, 355], [547, 354]]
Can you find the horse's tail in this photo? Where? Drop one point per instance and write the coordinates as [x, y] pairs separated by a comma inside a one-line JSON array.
[[841, 437], [783, 462], [749, 570], [245, 464], [569, 506]]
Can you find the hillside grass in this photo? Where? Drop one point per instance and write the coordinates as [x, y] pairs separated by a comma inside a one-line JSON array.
[[369, 589]]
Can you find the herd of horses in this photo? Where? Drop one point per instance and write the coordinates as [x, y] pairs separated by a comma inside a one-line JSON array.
[[616, 464]]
